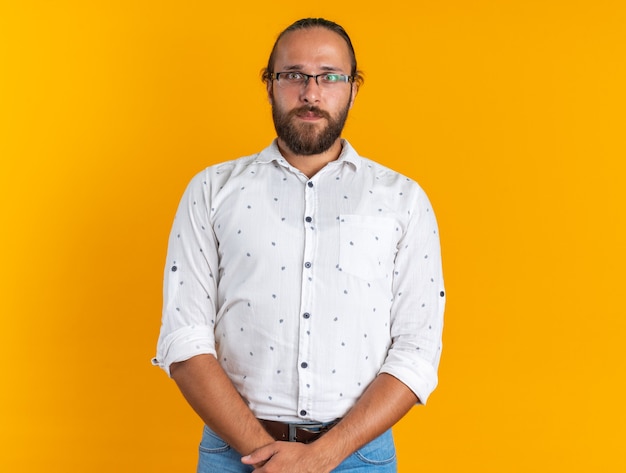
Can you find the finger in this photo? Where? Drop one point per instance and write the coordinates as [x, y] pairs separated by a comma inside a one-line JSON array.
[[260, 455]]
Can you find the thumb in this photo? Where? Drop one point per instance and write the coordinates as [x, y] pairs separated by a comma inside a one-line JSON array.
[[260, 455]]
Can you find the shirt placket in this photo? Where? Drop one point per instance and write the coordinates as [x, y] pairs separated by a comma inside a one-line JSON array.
[[306, 302]]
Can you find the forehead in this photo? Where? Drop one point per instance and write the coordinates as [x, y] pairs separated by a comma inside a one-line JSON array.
[[313, 47]]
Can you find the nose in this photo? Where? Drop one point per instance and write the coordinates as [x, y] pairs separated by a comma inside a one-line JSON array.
[[310, 91]]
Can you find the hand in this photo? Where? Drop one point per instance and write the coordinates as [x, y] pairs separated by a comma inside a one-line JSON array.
[[289, 457]]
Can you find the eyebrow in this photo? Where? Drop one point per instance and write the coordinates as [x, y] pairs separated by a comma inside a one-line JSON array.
[[299, 67]]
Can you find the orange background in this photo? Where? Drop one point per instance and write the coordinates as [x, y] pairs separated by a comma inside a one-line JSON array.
[[511, 114]]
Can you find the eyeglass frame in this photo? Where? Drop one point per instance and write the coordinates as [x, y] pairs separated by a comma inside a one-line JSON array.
[[276, 76]]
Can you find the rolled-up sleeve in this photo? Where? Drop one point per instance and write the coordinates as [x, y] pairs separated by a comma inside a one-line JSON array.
[[418, 304], [190, 286]]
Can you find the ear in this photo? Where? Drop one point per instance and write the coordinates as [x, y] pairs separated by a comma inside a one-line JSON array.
[[270, 91], [353, 92]]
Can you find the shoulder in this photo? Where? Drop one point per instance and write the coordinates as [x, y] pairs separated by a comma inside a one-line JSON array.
[[217, 175], [401, 191], [229, 169], [374, 169], [387, 177]]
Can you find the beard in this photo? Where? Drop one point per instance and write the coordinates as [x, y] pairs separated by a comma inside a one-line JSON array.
[[305, 139]]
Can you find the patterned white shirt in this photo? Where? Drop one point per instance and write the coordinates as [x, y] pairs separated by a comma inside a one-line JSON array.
[[305, 289]]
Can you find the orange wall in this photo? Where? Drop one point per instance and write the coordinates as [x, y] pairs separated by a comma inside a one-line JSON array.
[[509, 113]]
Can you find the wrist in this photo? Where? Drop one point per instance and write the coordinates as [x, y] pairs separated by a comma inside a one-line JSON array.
[[332, 447]]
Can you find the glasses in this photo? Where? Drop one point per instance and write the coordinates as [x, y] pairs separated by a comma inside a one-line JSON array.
[[298, 79]]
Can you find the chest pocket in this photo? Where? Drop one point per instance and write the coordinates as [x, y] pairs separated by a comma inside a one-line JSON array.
[[367, 246]]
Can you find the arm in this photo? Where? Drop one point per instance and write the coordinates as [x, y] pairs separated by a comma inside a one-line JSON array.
[[186, 347], [208, 390], [383, 404]]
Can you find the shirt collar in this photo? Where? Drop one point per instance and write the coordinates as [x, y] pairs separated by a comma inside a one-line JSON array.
[[348, 155]]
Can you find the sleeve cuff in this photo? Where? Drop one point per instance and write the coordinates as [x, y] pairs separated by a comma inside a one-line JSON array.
[[183, 344], [418, 375]]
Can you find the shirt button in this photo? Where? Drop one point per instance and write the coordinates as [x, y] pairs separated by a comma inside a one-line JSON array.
[[304, 364], [302, 412], [307, 265], [310, 184], [306, 315], [308, 219]]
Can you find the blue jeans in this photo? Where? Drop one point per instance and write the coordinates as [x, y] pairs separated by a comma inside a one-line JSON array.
[[378, 456]]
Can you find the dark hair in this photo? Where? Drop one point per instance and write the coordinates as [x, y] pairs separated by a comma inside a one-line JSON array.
[[308, 23]]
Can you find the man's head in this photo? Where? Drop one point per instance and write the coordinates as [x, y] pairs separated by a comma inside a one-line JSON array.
[[312, 80], [308, 23]]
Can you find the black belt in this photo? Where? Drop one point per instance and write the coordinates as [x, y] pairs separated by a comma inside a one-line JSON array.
[[305, 433]]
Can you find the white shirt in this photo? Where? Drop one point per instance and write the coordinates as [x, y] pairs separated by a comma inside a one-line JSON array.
[[305, 289]]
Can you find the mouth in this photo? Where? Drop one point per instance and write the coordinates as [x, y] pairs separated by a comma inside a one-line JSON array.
[[309, 114]]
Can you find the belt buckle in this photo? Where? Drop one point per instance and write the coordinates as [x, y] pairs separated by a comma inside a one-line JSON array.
[[313, 428], [293, 435]]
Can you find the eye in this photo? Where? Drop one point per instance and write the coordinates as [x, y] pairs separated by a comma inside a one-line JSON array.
[[294, 76], [331, 78]]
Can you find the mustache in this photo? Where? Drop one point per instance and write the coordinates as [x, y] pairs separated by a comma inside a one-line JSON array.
[[310, 109]]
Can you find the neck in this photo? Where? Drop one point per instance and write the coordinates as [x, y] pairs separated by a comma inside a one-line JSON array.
[[309, 165]]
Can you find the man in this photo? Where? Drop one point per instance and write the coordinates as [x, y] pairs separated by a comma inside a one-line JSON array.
[[303, 298]]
